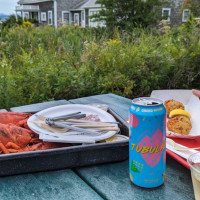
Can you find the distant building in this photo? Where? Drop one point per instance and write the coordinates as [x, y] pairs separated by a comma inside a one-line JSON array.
[[58, 12], [64, 11], [173, 12]]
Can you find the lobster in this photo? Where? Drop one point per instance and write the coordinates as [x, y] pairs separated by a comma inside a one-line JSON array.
[[14, 137], [18, 119]]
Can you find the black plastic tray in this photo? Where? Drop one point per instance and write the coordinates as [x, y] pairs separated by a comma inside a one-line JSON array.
[[66, 157]]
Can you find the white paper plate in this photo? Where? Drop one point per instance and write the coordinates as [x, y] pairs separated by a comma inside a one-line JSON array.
[[67, 109], [192, 105]]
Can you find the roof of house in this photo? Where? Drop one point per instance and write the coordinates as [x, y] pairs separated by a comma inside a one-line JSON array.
[[82, 5], [79, 6], [91, 4], [31, 1]]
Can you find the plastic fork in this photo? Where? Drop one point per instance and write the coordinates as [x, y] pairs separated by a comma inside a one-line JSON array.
[[76, 115], [64, 125]]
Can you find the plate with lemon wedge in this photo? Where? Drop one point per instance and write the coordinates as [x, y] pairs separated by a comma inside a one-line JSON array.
[[183, 112]]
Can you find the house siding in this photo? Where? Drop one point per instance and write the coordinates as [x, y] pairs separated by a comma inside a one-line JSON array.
[[65, 5], [176, 13], [45, 7]]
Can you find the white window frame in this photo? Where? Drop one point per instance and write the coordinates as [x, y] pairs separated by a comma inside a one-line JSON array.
[[50, 13], [24, 13], [95, 24], [64, 12], [43, 18], [78, 18], [169, 10], [183, 15], [83, 18]]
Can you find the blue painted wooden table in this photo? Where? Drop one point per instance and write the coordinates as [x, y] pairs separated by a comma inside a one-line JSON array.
[[105, 181]]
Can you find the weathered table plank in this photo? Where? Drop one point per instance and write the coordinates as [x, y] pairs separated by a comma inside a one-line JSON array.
[[62, 185], [112, 182], [33, 108]]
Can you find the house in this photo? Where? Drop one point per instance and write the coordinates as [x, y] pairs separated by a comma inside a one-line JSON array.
[[173, 12], [64, 11], [78, 12]]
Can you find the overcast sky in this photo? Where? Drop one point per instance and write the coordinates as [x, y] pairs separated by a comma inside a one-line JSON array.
[[8, 6]]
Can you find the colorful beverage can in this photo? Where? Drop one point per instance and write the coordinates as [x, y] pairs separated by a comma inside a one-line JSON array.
[[147, 144]]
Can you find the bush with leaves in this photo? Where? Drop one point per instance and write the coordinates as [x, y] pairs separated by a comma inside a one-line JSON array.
[[127, 14], [42, 63]]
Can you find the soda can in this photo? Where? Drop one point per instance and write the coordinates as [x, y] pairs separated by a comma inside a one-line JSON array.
[[147, 143]]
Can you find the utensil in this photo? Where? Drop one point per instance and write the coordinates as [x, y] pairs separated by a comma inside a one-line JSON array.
[[63, 125], [76, 115], [87, 121], [69, 116], [179, 147]]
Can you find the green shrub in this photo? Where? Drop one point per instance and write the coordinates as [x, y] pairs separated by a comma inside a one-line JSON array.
[[42, 63]]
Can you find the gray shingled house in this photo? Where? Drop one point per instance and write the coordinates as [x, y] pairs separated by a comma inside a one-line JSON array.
[[78, 12], [64, 11]]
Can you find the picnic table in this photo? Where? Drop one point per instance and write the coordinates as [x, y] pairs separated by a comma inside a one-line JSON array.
[[104, 181]]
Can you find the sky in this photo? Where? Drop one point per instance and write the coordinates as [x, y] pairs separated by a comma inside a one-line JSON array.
[[8, 6]]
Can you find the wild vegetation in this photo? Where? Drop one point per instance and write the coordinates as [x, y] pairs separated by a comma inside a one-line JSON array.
[[127, 14], [42, 63]]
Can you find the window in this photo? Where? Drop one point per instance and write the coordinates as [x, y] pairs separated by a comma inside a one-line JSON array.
[[92, 22], [166, 13], [50, 17], [65, 17], [83, 18], [82, 15], [185, 15], [76, 18], [43, 16], [26, 15], [93, 12]]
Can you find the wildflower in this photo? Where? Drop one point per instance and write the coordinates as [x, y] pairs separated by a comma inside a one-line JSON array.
[[3, 44], [27, 23], [2, 76], [4, 64], [113, 41]]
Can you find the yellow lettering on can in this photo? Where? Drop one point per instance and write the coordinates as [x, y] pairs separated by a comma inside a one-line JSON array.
[[133, 146], [152, 149], [138, 149], [145, 149], [162, 147], [156, 150]]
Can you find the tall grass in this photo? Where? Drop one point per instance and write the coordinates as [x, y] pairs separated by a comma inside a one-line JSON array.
[[39, 64]]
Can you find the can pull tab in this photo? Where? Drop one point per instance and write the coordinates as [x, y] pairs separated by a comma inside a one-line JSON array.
[[152, 103]]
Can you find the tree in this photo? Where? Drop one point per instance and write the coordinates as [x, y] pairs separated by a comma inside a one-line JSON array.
[[11, 22], [129, 13]]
